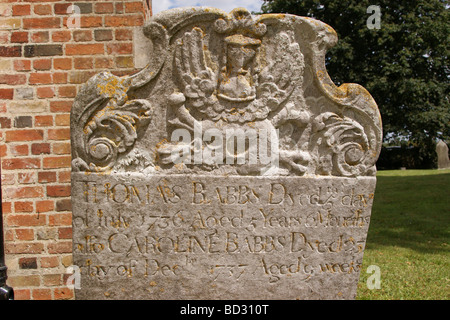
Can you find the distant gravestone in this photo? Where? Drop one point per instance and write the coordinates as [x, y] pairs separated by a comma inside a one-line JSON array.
[[442, 154], [230, 167]]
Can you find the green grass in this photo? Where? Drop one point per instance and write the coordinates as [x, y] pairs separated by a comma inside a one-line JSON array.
[[408, 236]]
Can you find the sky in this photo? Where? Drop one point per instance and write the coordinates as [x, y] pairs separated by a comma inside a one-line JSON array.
[[226, 5]]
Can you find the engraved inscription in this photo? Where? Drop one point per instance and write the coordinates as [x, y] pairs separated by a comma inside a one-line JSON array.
[[246, 229]]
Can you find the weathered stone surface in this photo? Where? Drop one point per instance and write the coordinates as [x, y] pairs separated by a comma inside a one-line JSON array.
[[442, 154], [230, 167]]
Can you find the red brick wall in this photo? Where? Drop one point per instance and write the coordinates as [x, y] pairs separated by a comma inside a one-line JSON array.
[[43, 63]]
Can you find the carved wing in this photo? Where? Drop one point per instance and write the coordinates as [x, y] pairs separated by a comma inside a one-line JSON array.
[[278, 80], [198, 82]]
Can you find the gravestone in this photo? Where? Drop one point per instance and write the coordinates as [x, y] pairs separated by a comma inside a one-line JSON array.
[[442, 155], [230, 167]]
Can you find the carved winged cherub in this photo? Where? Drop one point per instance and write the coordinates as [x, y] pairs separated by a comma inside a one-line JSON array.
[[239, 94]]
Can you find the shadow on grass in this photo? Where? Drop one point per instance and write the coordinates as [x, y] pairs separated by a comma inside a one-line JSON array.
[[411, 211]]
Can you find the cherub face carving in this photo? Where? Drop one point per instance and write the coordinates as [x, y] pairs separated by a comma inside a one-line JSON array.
[[237, 76]]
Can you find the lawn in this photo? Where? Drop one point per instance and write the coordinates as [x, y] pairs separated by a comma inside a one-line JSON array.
[[408, 236]]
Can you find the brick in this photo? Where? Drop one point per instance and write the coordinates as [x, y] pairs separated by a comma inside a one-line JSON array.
[[5, 123], [62, 119], [21, 163], [32, 106], [67, 260], [10, 23], [43, 121], [40, 78], [9, 236], [51, 280], [59, 77], [4, 37], [79, 77], [61, 36], [42, 9], [22, 65], [84, 49], [5, 9], [60, 219], [26, 177], [6, 207], [47, 234], [60, 247], [60, 106], [83, 63], [85, 8], [5, 65], [134, 7], [24, 93], [21, 10], [64, 176], [59, 134], [123, 21], [90, 22], [13, 79], [49, 262], [103, 35], [19, 37], [25, 206], [7, 94], [8, 179], [28, 263], [19, 150], [24, 135], [63, 205], [24, 281], [58, 191], [82, 35], [119, 48], [65, 233], [23, 192], [63, 293], [46, 177], [67, 91], [3, 151], [24, 234], [23, 122], [43, 50], [21, 294], [45, 205], [45, 92], [42, 23], [10, 51], [61, 8], [26, 220], [104, 7], [119, 7], [40, 148], [40, 36], [57, 162], [41, 294], [62, 63], [124, 62], [104, 63]]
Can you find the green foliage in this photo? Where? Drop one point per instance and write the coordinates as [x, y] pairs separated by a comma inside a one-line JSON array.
[[404, 64]]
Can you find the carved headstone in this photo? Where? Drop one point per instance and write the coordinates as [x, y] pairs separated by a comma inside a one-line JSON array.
[[231, 167], [442, 155]]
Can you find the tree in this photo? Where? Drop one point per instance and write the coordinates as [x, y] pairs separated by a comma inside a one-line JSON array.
[[404, 64]]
